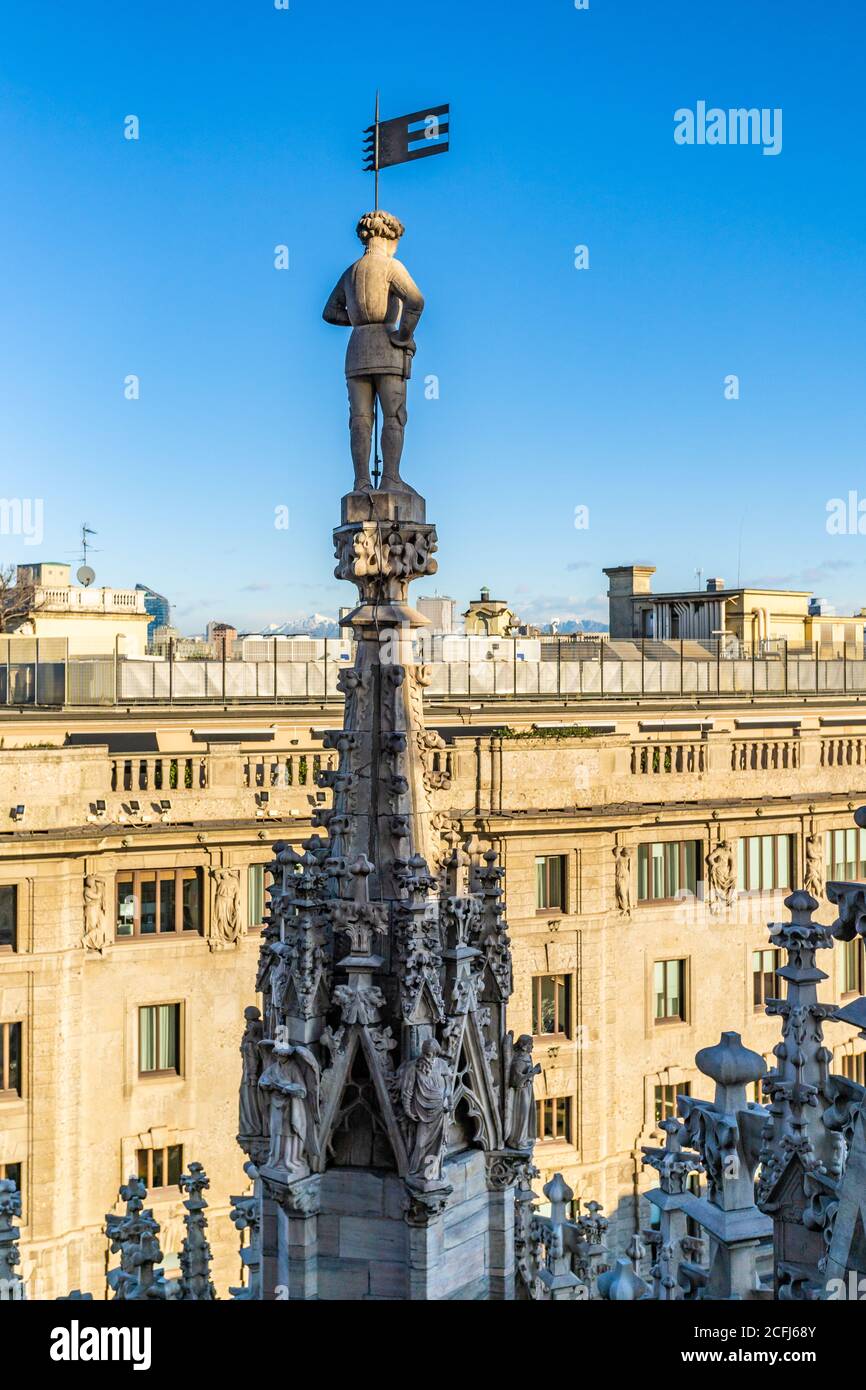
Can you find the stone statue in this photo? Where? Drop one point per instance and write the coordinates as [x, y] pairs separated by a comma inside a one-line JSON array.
[[520, 1112], [425, 1092], [290, 1083], [622, 880], [379, 300], [721, 875], [95, 937], [251, 1115], [813, 877], [226, 919]]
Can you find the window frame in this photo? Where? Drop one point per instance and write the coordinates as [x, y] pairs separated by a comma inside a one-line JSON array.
[[856, 949], [683, 1015], [764, 975], [184, 874], [177, 1071], [644, 851], [744, 867], [11, 947], [148, 1155], [9, 1092], [566, 977], [553, 1101], [679, 1088], [547, 860], [254, 925]]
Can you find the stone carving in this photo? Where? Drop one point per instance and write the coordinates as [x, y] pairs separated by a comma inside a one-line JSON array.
[[11, 1284], [813, 878], [195, 1254], [134, 1235], [96, 929], [290, 1082], [721, 875], [425, 1090], [251, 1118], [520, 1110], [379, 300], [622, 880], [225, 924]]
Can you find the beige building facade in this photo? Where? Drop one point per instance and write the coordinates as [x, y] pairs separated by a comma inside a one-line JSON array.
[[645, 848]]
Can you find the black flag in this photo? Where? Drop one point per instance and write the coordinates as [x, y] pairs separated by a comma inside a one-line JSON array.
[[405, 138]]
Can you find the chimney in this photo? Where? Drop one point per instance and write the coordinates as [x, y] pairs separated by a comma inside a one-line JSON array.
[[715, 586], [626, 582]]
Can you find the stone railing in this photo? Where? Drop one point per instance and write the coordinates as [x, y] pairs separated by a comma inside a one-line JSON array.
[[764, 755], [164, 773], [654, 758]]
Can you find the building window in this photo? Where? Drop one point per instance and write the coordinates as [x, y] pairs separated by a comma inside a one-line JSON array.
[[551, 1005], [158, 902], [159, 1040], [10, 1060], [258, 882], [845, 854], [550, 882], [668, 870], [8, 917], [764, 967], [553, 1118], [765, 862], [12, 1172], [666, 1100], [852, 966], [854, 1067], [669, 991], [160, 1167]]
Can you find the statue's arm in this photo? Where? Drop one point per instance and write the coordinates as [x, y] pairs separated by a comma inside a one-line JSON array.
[[335, 310], [412, 300]]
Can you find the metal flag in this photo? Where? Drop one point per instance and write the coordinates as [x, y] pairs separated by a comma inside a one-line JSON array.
[[415, 136]]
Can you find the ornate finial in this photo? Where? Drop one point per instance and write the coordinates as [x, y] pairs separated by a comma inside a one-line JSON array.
[[195, 1255], [621, 1284], [134, 1235], [11, 1284]]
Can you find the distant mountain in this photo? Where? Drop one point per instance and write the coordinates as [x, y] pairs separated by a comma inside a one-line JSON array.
[[313, 625], [565, 628]]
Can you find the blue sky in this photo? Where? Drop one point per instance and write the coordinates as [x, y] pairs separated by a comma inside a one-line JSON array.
[[558, 388]]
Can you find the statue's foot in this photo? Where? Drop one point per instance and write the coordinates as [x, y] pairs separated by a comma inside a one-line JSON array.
[[362, 485], [392, 484]]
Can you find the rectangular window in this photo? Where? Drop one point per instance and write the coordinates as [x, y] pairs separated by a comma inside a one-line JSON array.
[[258, 882], [764, 967], [669, 991], [159, 1039], [10, 1060], [668, 869], [160, 1167], [12, 1173], [854, 1067], [666, 1100], [8, 917], [553, 1118], [852, 966], [158, 902], [550, 883], [551, 1005], [765, 862], [845, 854]]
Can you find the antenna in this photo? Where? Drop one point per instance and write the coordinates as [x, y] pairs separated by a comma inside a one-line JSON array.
[[699, 575], [85, 575]]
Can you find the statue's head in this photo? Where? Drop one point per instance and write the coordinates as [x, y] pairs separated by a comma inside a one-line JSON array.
[[381, 228], [430, 1048], [524, 1043], [252, 1014]]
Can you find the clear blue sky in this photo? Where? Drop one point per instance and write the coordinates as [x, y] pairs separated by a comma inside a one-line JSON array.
[[558, 387]]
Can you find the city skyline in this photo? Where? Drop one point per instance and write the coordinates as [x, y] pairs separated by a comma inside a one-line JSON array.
[[154, 258]]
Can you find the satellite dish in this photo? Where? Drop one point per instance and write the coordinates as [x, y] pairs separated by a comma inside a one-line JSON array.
[[85, 575]]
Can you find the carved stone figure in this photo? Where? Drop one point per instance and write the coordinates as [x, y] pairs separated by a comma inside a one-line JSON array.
[[379, 300], [96, 933], [520, 1113], [251, 1115], [226, 916], [721, 875], [622, 880], [425, 1091], [290, 1083], [813, 877]]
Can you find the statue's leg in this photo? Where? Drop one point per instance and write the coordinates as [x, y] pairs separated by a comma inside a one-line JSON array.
[[392, 398], [361, 397]]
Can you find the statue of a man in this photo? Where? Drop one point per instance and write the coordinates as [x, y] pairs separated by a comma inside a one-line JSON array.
[[425, 1092], [380, 301], [290, 1083], [251, 1114]]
